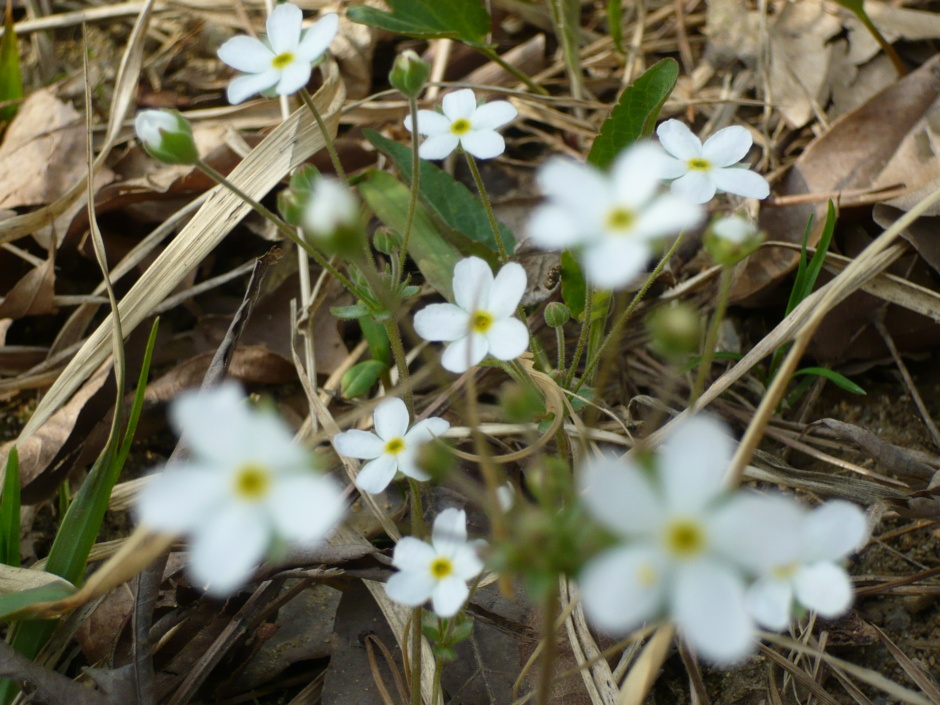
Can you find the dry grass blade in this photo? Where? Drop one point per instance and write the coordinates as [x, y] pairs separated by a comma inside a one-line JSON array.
[[916, 672], [646, 668], [288, 146], [598, 678], [800, 676]]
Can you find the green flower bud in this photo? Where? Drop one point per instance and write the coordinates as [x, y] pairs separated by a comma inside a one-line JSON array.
[[166, 135], [676, 330], [557, 314], [521, 404], [327, 211], [729, 240], [408, 74]]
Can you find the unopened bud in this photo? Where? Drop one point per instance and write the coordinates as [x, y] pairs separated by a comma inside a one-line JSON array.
[[676, 330], [729, 240], [557, 314], [166, 135], [408, 74], [330, 217]]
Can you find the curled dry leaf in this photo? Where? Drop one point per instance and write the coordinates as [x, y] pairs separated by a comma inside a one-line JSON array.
[[32, 295]]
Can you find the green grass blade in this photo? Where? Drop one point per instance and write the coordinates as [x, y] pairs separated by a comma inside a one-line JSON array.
[[11, 76], [837, 379], [10, 512]]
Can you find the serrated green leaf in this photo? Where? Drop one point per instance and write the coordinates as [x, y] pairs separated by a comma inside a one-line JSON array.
[[447, 198], [436, 258], [350, 313], [361, 377], [466, 20], [11, 77], [635, 114]]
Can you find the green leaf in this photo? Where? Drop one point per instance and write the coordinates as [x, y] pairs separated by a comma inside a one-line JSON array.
[[10, 512], [837, 379], [466, 20], [635, 114], [17, 604], [615, 23], [436, 258], [361, 377], [447, 198], [377, 338], [11, 78], [350, 313], [807, 274], [573, 285]]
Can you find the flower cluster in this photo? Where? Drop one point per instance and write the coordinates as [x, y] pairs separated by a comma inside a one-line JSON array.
[[245, 487], [714, 562]]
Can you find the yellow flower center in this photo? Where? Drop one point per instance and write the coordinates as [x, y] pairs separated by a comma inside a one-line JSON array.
[[784, 572], [685, 538], [282, 60], [441, 567], [252, 482], [620, 219], [481, 321], [460, 126], [699, 164], [395, 446]]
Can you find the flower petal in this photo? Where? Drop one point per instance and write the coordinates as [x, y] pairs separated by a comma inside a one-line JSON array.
[[741, 181], [467, 563], [693, 462], [450, 532], [227, 548], [637, 173], [246, 54], [442, 322], [579, 188], [438, 146], [616, 491], [507, 290], [305, 508], [483, 144], [376, 475], [770, 602], [473, 282], [448, 596], [673, 168], [294, 76], [413, 555], [613, 262], [213, 421], [390, 418], [666, 216], [708, 606], [459, 104], [358, 444], [243, 87], [181, 498], [757, 532], [318, 38], [552, 227], [727, 146], [833, 530], [823, 587], [494, 114], [678, 140], [424, 431], [463, 354], [507, 338], [283, 27], [408, 466], [410, 588], [695, 186], [623, 587], [429, 123]]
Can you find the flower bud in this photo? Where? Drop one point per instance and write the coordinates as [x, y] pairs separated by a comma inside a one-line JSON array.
[[729, 240], [408, 74], [330, 217], [166, 135], [557, 314], [676, 330]]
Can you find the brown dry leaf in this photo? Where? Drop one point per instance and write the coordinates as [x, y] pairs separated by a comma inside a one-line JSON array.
[[43, 153], [33, 294], [851, 155]]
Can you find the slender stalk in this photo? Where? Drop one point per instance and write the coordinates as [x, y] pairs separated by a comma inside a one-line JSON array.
[[415, 186], [489, 470], [327, 137], [711, 337], [488, 207], [562, 16], [493, 56], [560, 344], [401, 362], [582, 338], [436, 687], [625, 316], [547, 671], [416, 656]]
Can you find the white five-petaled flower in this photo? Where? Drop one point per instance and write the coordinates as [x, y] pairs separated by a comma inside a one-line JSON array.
[[245, 485], [439, 570], [811, 575], [284, 61], [463, 122], [393, 447], [700, 169], [481, 319], [687, 548], [613, 220]]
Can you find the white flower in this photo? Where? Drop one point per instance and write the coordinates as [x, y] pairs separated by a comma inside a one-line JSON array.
[[481, 321], [332, 207], [284, 61], [474, 128], [810, 574], [439, 570], [244, 485], [393, 447], [166, 136], [686, 547], [613, 220], [700, 170]]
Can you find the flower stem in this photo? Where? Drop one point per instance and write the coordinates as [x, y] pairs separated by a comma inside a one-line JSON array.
[[547, 672], [560, 344], [711, 338], [416, 619], [401, 362], [493, 56], [582, 338], [471, 162], [283, 227], [415, 185], [436, 687], [327, 137]]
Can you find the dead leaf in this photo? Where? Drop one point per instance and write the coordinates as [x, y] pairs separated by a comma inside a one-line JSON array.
[[33, 294]]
